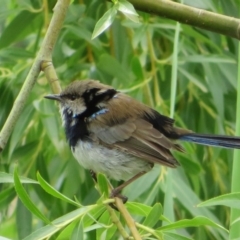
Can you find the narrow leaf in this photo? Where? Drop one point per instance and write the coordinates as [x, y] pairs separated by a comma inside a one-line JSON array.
[[49, 189], [128, 10], [78, 231], [104, 22], [58, 224], [126, 7], [23, 220], [16, 28], [175, 236], [195, 222], [230, 200], [8, 178], [6, 196], [103, 185], [153, 216], [138, 208], [22, 194]]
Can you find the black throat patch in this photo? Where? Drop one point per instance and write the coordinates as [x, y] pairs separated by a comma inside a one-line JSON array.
[[76, 126]]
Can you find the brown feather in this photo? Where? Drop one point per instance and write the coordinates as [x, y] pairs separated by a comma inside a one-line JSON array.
[[136, 137]]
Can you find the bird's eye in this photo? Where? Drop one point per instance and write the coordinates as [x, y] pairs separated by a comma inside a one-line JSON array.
[[72, 97]]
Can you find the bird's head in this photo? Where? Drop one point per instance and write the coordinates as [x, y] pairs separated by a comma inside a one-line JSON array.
[[83, 98]]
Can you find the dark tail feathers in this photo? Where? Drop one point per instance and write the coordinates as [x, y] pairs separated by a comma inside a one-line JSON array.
[[212, 140]]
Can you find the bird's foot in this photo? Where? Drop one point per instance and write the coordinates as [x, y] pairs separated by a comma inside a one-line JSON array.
[[115, 193]]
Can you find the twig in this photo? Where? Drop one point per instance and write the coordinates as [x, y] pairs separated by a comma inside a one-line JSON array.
[[44, 54], [130, 222], [150, 230], [213, 22], [117, 222], [51, 76]]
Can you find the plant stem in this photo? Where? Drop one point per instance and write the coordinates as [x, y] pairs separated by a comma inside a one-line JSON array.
[[168, 198], [117, 222], [213, 22], [44, 54], [235, 213], [130, 222]]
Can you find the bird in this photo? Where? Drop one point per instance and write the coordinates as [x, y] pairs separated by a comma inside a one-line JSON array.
[[110, 132]]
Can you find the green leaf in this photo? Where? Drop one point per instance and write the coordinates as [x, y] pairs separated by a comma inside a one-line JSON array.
[[208, 59], [112, 66], [230, 200], [195, 222], [6, 196], [107, 227], [93, 215], [3, 238], [194, 79], [128, 10], [58, 224], [175, 236], [138, 208], [104, 22], [49, 189], [78, 231], [16, 27], [137, 68], [21, 125], [8, 178], [23, 220], [103, 184], [22, 194], [153, 216]]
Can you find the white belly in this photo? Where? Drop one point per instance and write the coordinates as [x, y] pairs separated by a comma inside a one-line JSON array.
[[115, 164]]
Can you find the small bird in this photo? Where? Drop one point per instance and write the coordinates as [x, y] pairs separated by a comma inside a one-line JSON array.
[[111, 133]]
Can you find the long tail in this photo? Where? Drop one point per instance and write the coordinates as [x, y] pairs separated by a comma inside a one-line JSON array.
[[212, 140]]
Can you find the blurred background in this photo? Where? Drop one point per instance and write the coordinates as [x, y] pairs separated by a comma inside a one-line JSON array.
[[135, 58]]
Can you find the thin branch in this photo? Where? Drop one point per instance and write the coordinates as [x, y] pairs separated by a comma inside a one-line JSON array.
[[213, 22], [117, 222], [51, 76], [44, 54], [130, 222]]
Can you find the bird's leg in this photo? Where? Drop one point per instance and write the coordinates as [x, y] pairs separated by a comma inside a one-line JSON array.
[[93, 175], [116, 191]]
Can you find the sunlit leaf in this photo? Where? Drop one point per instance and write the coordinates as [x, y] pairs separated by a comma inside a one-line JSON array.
[[153, 216], [230, 200], [24, 197], [103, 184], [78, 231], [128, 10], [49, 189], [9, 178], [195, 222], [57, 224], [104, 22]]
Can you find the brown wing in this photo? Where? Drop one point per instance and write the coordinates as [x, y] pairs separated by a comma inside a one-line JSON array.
[[137, 137]]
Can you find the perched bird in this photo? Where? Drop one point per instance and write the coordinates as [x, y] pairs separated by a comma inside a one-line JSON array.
[[112, 133]]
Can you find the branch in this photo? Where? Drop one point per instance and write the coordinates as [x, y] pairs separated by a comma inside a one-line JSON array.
[[117, 222], [44, 54], [129, 220], [196, 17]]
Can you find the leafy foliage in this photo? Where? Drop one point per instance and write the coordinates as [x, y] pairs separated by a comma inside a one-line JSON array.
[[137, 58]]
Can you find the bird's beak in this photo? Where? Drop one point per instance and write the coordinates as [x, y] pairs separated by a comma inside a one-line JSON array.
[[54, 97]]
